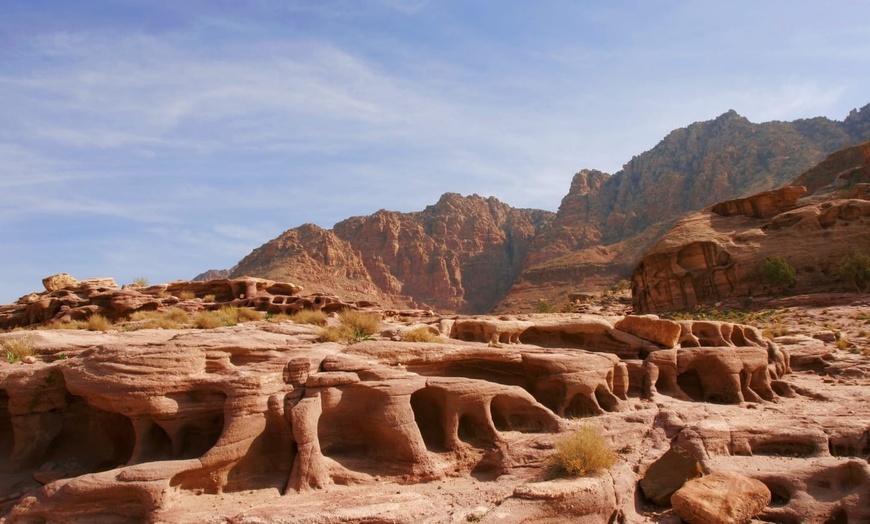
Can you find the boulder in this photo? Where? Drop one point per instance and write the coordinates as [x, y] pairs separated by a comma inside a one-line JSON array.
[[722, 497], [668, 474], [665, 333], [59, 281]]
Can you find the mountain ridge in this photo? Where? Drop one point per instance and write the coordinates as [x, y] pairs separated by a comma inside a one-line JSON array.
[[477, 254]]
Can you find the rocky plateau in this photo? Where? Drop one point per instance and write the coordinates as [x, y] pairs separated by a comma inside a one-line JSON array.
[[711, 421]]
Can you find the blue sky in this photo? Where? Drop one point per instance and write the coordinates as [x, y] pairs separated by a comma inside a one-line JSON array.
[[159, 139]]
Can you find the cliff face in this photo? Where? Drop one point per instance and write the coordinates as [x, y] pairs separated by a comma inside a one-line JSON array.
[[461, 254], [474, 254], [606, 223], [718, 253]]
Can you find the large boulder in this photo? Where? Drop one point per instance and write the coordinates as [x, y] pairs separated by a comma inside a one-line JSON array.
[[722, 497]]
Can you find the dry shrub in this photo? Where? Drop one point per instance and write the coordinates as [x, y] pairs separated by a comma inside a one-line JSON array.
[[246, 314], [308, 316], [277, 318], [208, 298], [175, 318], [330, 334], [359, 325], [209, 320], [582, 454], [420, 334], [187, 295], [72, 324], [18, 347], [97, 322]]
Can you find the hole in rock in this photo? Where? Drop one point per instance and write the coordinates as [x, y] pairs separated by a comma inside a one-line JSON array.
[[154, 444], [428, 416], [690, 383], [6, 437], [834, 483], [355, 430], [785, 447], [201, 424], [850, 447], [780, 493], [550, 393], [606, 399], [510, 414], [560, 339], [96, 439], [838, 516], [582, 406], [473, 431]]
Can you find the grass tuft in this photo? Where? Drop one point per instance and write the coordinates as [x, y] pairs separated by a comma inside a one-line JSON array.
[[308, 316], [420, 334], [97, 322], [582, 454], [18, 348]]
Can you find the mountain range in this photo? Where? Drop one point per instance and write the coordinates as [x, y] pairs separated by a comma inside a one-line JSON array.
[[472, 254]]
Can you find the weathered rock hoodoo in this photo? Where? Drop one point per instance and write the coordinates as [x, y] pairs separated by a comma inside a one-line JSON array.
[[174, 425]]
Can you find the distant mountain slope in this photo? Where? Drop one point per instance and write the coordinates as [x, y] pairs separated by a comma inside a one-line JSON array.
[[461, 254], [613, 220], [474, 254]]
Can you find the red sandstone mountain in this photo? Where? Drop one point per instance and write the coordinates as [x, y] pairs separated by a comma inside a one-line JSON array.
[[461, 254], [719, 253], [474, 254]]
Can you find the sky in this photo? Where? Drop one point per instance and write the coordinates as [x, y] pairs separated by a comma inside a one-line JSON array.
[[157, 139]]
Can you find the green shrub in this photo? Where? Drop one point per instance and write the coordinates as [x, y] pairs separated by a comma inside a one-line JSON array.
[[18, 347], [308, 316], [546, 306], [97, 322], [583, 454], [778, 272], [855, 269], [420, 334]]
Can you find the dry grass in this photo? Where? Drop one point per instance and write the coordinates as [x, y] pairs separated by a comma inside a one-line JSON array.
[[420, 334], [208, 298], [175, 318], [187, 295], [582, 454], [225, 316], [97, 322], [308, 316], [354, 326], [18, 348], [72, 324]]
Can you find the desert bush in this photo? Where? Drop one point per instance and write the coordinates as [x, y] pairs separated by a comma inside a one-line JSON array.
[[246, 314], [359, 325], [18, 348], [778, 272], [309, 316], [855, 269], [175, 318], [545, 306], [141, 282], [208, 298], [278, 317], [97, 322], [330, 334], [187, 295], [210, 320], [72, 324], [582, 454], [420, 334]]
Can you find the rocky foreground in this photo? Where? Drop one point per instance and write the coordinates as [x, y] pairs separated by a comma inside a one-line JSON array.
[[264, 422]]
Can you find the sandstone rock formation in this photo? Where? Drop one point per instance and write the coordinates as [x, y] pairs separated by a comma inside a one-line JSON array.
[[181, 426], [718, 254], [722, 497], [460, 254], [68, 299]]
